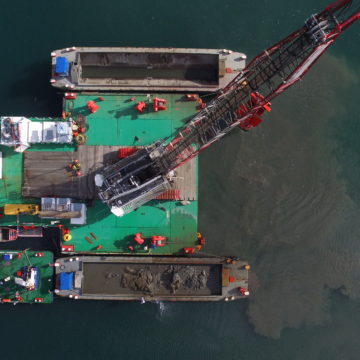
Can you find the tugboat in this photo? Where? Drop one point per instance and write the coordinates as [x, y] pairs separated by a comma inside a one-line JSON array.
[[26, 276]]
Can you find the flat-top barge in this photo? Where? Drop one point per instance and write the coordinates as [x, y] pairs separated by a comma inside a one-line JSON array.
[[40, 176], [147, 278]]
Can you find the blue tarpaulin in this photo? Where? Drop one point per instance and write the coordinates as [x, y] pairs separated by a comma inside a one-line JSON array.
[[62, 66], [66, 281]]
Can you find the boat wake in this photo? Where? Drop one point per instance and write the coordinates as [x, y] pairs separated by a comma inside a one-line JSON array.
[[162, 309]]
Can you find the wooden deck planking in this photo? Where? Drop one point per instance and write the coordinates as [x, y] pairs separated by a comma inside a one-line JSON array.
[[186, 180], [46, 173]]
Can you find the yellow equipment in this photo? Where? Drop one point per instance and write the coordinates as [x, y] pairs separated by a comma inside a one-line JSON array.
[[21, 209], [67, 237]]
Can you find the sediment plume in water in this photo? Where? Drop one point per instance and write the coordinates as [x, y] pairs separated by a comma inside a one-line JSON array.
[[279, 199]]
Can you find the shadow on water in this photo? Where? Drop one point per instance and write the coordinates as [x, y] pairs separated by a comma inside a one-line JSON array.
[[33, 87], [49, 242]]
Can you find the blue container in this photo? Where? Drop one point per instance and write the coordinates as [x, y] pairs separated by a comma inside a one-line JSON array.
[[66, 281], [62, 66]]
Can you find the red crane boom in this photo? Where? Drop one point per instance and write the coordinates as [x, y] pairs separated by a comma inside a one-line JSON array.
[[143, 176]]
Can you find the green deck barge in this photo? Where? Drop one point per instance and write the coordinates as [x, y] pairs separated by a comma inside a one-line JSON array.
[[14, 265], [41, 171]]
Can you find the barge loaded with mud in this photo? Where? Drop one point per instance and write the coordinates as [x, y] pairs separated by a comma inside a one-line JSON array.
[[147, 278], [144, 69]]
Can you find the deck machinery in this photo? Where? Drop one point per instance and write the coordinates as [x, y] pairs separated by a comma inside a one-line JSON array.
[[131, 182]]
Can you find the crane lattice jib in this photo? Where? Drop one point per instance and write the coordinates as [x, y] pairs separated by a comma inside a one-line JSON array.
[[268, 74], [133, 181]]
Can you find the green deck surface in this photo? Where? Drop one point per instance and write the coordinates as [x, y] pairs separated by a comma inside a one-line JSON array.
[[115, 123], [114, 234], [9, 289], [11, 182]]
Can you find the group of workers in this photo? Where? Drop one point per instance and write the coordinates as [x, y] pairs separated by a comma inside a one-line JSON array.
[[74, 168]]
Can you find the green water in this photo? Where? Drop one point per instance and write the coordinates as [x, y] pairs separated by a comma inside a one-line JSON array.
[[285, 196]]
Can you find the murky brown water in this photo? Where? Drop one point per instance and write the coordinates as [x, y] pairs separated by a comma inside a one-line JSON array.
[[281, 201]]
